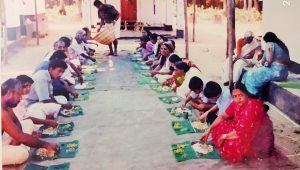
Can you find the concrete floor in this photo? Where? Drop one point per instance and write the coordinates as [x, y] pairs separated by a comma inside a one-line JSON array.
[[125, 126]]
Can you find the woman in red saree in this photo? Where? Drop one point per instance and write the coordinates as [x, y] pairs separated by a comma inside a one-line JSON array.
[[243, 131]]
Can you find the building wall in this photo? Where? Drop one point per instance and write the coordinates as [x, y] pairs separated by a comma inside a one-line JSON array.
[[283, 18], [27, 8], [162, 15]]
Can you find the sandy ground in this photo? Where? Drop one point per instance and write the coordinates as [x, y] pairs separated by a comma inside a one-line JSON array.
[[125, 126]]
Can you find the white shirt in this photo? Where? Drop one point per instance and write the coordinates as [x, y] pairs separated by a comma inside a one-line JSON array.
[[155, 48], [224, 100], [75, 50], [42, 87], [21, 109], [198, 96]]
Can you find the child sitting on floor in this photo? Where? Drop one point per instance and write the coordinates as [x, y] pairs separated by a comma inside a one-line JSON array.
[[180, 68], [142, 49], [196, 98], [214, 92]]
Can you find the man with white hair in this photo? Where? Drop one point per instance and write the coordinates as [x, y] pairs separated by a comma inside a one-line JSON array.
[[76, 50], [245, 51]]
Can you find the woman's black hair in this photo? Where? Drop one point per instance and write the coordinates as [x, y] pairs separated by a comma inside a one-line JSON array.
[[25, 79], [182, 66], [174, 58], [148, 32], [212, 89], [173, 43], [58, 64], [153, 36], [86, 29], [144, 38], [272, 37], [239, 85], [10, 85], [66, 40], [195, 83], [158, 51]]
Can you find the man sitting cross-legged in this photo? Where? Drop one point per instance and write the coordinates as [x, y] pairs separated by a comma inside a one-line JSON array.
[[16, 135], [41, 102], [21, 110]]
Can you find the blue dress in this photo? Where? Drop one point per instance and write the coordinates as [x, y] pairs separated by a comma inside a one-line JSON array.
[[256, 78]]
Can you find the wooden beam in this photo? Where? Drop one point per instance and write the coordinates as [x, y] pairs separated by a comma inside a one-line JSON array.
[[36, 24], [194, 19], [230, 35], [186, 30]]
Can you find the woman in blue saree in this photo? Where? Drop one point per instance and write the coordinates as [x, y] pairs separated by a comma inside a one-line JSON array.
[[273, 65]]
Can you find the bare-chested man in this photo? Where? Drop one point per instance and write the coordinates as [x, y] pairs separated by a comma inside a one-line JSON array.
[[16, 135]]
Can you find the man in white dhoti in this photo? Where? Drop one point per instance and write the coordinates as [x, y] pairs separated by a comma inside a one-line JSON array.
[[41, 102]]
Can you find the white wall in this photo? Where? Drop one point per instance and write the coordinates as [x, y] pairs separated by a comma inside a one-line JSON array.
[[12, 15], [163, 12], [28, 8], [283, 18]]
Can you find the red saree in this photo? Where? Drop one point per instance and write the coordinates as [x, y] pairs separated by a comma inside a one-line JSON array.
[[248, 121]]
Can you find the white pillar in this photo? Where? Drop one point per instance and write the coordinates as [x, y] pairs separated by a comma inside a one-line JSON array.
[[180, 19], [12, 19], [169, 12]]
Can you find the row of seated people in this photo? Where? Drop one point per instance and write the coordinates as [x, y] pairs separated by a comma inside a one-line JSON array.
[[28, 103], [240, 125]]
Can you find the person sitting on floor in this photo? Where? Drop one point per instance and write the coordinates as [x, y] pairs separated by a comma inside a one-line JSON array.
[[245, 50], [273, 66], [142, 50], [244, 130], [60, 86], [151, 46], [178, 76], [163, 68], [88, 39], [77, 51], [62, 45], [214, 92], [160, 40], [16, 135], [196, 98], [166, 73], [41, 101], [21, 110]]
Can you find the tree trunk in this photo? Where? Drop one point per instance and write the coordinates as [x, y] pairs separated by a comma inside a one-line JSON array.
[[194, 18], [245, 5], [230, 35], [250, 4], [186, 30]]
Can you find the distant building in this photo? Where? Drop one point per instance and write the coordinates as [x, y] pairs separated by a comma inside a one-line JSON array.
[[16, 12], [152, 13]]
